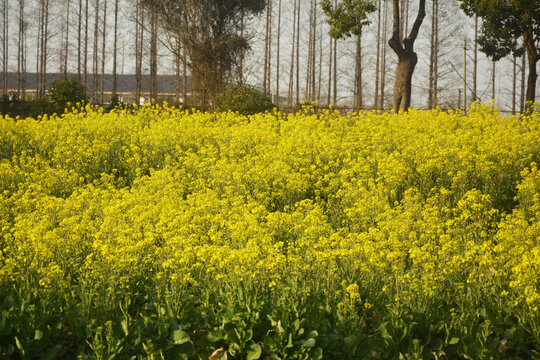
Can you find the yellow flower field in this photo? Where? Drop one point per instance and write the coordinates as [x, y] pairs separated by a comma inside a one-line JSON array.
[[165, 233]]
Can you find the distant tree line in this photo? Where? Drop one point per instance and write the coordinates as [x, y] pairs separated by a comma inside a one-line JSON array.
[[296, 51]]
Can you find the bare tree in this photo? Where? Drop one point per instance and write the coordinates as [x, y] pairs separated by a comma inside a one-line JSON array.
[[153, 55], [291, 71], [277, 52], [377, 66], [95, 58], [85, 63], [268, 48], [139, 41], [434, 45], [103, 44], [115, 49], [21, 52], [5, 45], [475, 61], [407, 58], [358, 93]]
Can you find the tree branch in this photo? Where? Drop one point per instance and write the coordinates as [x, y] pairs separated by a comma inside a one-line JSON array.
[[394, 41], [409, 42]]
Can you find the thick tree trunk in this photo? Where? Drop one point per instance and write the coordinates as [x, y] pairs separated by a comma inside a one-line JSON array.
[[532, 55], [407, 58], [402, 87]]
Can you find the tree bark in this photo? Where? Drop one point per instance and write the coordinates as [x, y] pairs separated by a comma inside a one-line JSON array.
[[532, 55], [278, 48], [115, 50], [153, 56], [291, 71], [377, 66], [5, 46], [358, 98], [407, 58], [475, 61], [103, 43], [66, 50], [514, 75], [85, 62], [21, 53], [298, 53]]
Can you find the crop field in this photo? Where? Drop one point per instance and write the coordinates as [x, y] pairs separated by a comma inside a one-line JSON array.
[[168, 234]]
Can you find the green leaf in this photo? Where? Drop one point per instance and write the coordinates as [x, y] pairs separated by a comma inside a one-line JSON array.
[[19, 346], [269, 342], [436, 344], [125, 328], [289, 343], [38, 335], [253, 352], [296, 324], [308, 343], [453, 341], [52, 352], [180, 337]]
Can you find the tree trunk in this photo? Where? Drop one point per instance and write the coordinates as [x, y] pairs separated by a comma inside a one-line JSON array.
[[330, 63], [291, 71], [267, 45], [21, 53], [377, 66], [475, 61], [532, 55], [85, 62], [5, 45], [278, 53], [115, 49], [383, 56], [95, 65], [358, 99], [407, 58], [66, 50], [493, 84], [153, 57], [298, 53], [79, 33], [514, 67], [104, 34]]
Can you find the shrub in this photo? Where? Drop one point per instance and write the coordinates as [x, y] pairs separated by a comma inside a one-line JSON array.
[[62, 92], [243, 99]]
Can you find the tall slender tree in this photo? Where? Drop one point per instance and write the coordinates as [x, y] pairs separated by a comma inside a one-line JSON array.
[[5, 45], [115, 53], [347, 18], [21, 52]]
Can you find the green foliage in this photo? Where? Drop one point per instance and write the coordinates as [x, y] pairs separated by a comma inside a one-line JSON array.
[[503, 24], [348, 17], [243, 99], [213, 37], [63, 91]]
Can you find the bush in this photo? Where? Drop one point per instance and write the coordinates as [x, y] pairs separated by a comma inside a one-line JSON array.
[[63, 91], [245, 100], [12, 105]]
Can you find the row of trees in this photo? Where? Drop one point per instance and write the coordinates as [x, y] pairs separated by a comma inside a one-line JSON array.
[[209, 42]]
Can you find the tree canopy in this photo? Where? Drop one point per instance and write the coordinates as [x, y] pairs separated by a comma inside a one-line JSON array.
[[212, 33], [509, 27], [348, 17]]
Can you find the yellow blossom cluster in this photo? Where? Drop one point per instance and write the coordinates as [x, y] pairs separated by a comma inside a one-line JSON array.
[[413, 207]]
